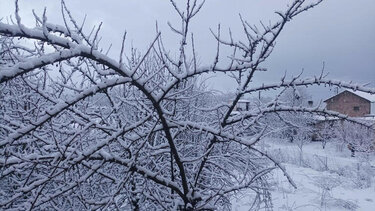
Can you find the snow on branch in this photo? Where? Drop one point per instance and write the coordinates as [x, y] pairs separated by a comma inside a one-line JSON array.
[[81, 130]]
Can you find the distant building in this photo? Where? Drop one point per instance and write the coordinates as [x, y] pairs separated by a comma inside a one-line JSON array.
[[243, 105], [352, 103]]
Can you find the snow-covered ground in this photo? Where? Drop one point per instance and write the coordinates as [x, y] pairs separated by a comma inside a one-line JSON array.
[[326, 179]]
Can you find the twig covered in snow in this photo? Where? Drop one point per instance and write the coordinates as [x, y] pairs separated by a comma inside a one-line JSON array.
[[81, 130]]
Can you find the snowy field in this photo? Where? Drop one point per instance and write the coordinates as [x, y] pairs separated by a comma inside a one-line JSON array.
[[326, 179]]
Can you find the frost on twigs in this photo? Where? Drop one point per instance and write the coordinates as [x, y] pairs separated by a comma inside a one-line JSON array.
[[81, 130]]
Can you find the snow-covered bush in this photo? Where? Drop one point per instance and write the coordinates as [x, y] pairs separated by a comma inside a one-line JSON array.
[[359, 137], [326, 199], [326, 184], [349, 135]]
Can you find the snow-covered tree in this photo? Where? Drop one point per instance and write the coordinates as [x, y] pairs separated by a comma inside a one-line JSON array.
[[357, 138], [87, 131]]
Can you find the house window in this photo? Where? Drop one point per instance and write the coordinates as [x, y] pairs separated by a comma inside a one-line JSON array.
[[356, 108]]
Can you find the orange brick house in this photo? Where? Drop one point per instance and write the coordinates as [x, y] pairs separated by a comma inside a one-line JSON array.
[[352, 103]]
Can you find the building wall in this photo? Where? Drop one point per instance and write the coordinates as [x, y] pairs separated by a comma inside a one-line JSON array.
[[346, 102]]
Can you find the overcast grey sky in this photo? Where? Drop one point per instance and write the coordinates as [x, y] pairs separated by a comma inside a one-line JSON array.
[[340, 33]]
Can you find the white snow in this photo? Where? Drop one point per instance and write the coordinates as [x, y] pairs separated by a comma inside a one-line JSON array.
[[326, 179], [368, 96]]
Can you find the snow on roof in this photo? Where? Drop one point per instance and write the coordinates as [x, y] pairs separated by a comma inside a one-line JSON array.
[[244, 101], [368, 96], [367, 119], [321, 117], [365, 95]]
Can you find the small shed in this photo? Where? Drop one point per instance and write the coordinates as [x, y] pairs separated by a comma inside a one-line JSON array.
[[243, 105]]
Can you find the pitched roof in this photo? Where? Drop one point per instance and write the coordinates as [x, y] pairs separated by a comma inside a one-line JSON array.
[[365, 95], [244, 101]]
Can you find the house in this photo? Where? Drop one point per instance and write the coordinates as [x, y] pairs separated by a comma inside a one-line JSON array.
[[356, 104], [352, 103], [243, 105]]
